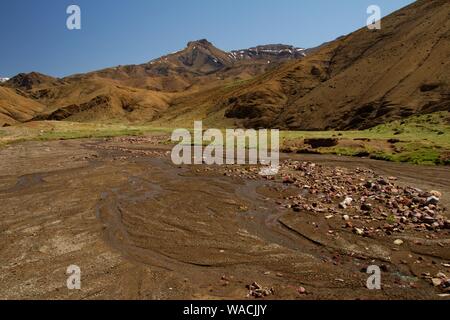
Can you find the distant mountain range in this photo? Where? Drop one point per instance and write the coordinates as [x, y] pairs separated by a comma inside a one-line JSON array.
[[356, 81], [142, 92]]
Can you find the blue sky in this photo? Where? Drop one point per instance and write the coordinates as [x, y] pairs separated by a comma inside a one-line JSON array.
[[34, 37]]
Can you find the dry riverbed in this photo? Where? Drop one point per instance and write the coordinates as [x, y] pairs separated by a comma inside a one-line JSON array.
[[140, 227]]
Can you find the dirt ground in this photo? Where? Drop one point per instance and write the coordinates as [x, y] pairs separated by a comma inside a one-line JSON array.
[[140, 227]]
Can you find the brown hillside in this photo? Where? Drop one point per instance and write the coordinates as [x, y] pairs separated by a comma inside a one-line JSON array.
[[32, 80], [98, 99], [16, 107], [357, 81], [143, 92], [197, 65]]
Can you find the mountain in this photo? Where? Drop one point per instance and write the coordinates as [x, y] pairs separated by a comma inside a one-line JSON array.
[[16, 107], [200, 63], [99, 99], [29, 81], [3, 79], [354, 82], [143, 92]]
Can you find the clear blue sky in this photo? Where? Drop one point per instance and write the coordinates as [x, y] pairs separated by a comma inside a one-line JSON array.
[[34, 37]]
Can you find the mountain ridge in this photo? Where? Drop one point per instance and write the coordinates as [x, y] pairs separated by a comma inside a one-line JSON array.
[[135, 92], [354, 82]]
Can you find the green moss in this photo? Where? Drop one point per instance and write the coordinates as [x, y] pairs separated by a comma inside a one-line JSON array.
[[424, 139]]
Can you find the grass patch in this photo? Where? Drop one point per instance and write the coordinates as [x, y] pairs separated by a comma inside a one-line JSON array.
[[53, 130], [423, 139], [55, 135], [418, 154]]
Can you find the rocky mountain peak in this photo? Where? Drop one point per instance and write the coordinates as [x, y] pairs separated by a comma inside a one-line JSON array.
[[201, 42], [27, 81]]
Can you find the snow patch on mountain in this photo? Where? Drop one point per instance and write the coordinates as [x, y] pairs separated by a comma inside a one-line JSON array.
[[267, 51]]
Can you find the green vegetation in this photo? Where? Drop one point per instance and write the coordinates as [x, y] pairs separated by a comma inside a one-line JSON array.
[[423, 139], [44, 131], [77, 134]]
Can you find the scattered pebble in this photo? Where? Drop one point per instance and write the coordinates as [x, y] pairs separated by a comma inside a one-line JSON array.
[[436, 282], [301, 290], [257, 291], [355, 194]]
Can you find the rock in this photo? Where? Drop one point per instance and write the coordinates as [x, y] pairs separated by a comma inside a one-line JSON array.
[[432, 200], [447, 224], [446, 285], [257, 291], [344, 204], [436, 282], [358, 231], [224, 278], [428, 219], [243, 208], [436, 194], [384, 268], [367, 196], [301, 290], [288, 180], [435, 225], [398, 242], [369, 185], [348, 201]]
